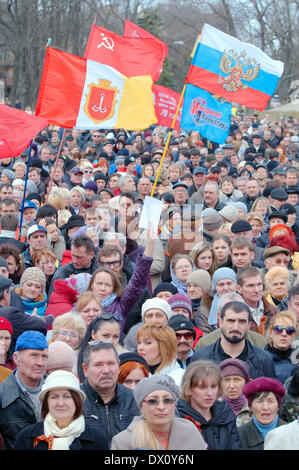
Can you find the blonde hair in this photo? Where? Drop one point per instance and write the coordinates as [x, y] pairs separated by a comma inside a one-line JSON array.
[[199, 371], [63, 217], [276, 271], [280, 316], [255, 216], [57, 201], [84, 300], [79, 190], [84, 164], [69, 320], [143, 436], [166, 338]]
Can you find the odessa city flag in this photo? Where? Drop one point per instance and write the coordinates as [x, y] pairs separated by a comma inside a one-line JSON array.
[[202, 113], [129, 55], [81, 93], [235, 70]]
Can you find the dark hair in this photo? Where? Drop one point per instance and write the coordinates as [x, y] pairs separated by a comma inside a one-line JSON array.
[[9, 222], [85, 241], [8, 201], [167, 197], [236, 307], [129, 195], [75, 397], [46, 211], [263, 394]]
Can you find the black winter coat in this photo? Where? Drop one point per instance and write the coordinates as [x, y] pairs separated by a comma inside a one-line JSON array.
[[250, 436], [90, 439], [259, 362], [113, 417], [221, 432]]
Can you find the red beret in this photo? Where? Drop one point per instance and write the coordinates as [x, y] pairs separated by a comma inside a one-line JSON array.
[[264, 384], [5, 325]]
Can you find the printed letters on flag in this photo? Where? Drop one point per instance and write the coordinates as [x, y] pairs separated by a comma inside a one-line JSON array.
[[166, 102], [130, 56], [202, 113], [81, 93], [17, 129], [234, 70]]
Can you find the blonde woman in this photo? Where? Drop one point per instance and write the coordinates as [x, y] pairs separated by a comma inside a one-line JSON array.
[[70, 328], [158, 346], [277, 284], [158, 428], [281, 333], [200, 393]]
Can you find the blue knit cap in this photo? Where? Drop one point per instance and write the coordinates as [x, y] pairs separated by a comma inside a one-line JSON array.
[[223, 273], [31, 340]]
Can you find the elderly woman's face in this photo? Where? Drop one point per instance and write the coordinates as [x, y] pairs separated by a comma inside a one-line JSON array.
[[265, 408], [61, 406], [158, 409], [232, 386], [69, 336], [224, 286], [182, 269], [278, 287], [279, 335], [149, 349]]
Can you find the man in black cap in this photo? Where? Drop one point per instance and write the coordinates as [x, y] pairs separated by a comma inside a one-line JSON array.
[[199, 179], [279, 197], [76, 177], [185, 334], [180, 192]]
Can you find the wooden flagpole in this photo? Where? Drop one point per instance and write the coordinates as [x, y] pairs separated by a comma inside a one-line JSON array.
[[168, 139]]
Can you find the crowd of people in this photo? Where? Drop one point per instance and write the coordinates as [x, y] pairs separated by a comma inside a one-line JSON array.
[[116, 337]]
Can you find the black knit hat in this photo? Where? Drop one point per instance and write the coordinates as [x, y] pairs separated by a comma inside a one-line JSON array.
[[241, 226], [165, 286], [132, 357]]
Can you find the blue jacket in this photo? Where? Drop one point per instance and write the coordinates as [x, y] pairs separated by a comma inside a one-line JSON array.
[[283, 366]]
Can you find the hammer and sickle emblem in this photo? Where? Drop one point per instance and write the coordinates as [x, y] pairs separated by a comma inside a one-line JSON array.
[[107, 42]]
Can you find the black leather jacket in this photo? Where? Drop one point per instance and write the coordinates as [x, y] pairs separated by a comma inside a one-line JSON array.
[[113, 417]]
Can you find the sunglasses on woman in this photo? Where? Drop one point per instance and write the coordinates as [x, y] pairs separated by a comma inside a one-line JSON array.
[[290, 330], [167, 401]]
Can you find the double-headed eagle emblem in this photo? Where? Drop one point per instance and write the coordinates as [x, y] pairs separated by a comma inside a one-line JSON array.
[[238, 69]]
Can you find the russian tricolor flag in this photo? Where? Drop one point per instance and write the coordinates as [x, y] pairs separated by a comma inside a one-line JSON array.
[[234, 70]]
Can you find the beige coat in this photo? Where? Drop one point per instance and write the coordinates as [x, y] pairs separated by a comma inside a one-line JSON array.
[[184, 435], [252, 336]]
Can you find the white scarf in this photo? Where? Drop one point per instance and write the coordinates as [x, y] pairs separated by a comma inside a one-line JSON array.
[[64, 437]]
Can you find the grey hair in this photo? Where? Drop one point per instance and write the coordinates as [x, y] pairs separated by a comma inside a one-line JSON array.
[[122, 181], [213, 183], [116, 236], [93, 346], [230, 297]]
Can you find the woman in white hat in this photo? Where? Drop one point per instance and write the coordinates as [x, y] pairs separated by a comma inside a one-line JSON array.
[[63, 426]]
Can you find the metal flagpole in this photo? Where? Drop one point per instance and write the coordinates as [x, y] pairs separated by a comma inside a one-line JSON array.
[[25, 187], [55, 165]]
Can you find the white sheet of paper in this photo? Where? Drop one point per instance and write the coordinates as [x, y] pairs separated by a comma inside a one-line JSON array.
[[151, 212]]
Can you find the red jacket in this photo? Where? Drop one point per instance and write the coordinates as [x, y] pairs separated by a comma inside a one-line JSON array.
[[62, 299]]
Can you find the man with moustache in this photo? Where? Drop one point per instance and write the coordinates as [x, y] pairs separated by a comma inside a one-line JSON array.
[[234, 325], [108, 405]]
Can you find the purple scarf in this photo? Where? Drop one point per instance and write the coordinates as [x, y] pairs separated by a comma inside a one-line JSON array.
[[237, 404]]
